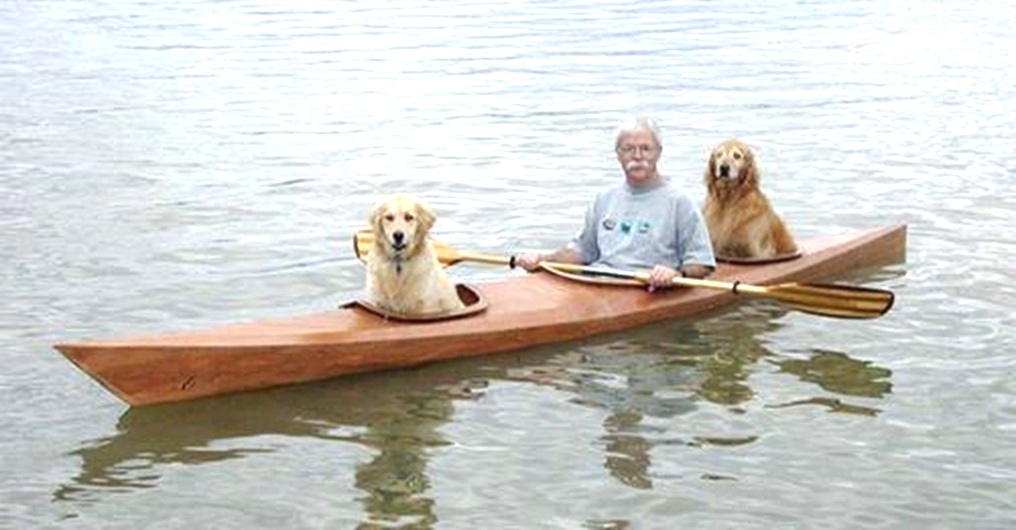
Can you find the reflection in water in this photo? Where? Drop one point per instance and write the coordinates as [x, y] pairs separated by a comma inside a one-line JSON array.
[[638, 378], [396, 481], [396, 415], [664, 370], [835, 372], [149, 438], [627, 453], [838, 373]]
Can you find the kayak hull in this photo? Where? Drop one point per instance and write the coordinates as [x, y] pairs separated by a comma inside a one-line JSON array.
[[522, 311]]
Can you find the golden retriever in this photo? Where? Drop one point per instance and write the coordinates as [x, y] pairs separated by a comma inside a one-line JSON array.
[[742, 224], [404, 275]]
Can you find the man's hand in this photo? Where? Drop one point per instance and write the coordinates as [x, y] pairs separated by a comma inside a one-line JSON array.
[[662, 277], [529, 261]]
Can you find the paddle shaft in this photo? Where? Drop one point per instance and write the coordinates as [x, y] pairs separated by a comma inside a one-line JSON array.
[[363, 241], [481, 258], [734, 287], [842, 301]]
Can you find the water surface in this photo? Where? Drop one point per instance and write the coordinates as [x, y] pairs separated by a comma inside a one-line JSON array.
[[173, 165]]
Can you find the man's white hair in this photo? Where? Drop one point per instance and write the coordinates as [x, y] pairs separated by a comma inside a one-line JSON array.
[[640, 123]]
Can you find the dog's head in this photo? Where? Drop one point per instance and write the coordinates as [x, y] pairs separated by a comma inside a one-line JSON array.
[[400, 225], [731, 164]]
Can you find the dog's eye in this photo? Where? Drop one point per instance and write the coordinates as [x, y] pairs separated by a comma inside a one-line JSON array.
[[389, 217], [737, 156], [409, 217]]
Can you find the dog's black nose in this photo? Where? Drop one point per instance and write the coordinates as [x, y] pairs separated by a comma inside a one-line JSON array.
[[724, 170], [398, 236]]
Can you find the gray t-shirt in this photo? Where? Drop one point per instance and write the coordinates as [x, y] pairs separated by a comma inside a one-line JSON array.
[[637, 228]]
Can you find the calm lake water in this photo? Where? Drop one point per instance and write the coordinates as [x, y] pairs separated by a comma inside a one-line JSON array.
[[174, 165]]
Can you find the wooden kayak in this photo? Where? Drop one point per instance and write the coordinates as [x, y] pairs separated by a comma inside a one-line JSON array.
[[519, 312]]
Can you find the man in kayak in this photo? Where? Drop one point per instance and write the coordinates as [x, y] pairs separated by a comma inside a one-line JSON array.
[[644, 223]]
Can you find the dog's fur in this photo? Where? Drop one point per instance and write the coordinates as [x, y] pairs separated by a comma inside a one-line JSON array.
[[741, 222], [403, 272]]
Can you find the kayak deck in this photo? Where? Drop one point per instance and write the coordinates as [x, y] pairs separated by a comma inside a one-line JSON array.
[[522, 311]]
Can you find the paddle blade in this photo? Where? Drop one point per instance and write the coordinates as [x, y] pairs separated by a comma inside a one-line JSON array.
[[363, 242], [832, 300]]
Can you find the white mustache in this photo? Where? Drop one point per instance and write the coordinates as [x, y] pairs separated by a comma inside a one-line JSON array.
[[636, 164]]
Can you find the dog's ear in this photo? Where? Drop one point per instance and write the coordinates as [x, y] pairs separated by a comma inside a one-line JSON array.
[[751, 172], [709, 175], [374, 218], [425, 216]]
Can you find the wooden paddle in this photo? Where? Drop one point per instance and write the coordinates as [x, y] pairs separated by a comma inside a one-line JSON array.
[[831, 300], [364, 241]]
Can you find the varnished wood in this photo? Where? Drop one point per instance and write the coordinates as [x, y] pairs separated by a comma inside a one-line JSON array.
[[524, 310]]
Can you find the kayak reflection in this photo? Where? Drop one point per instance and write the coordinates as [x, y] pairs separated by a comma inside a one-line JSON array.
[[637, 378]]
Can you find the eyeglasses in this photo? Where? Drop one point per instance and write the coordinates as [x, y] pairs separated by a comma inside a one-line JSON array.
[[631, 149]]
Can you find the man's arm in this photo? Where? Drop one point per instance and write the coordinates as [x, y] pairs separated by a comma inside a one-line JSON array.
[[693, 270]]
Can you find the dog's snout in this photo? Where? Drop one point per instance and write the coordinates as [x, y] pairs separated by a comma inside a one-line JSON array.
[[725, 170], [398, 236]]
